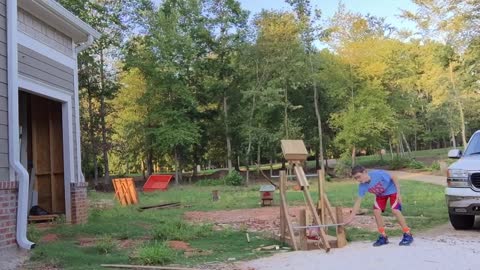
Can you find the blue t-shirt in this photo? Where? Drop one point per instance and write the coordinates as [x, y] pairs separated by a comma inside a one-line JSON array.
[[381, 184]]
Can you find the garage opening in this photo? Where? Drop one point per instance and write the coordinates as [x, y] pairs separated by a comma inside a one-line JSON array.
[[41, 151]]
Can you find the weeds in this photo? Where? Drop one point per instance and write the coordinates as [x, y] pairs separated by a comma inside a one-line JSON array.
[[105, 245], [32, 233], [209, 182], [154, 254], [180, 230]]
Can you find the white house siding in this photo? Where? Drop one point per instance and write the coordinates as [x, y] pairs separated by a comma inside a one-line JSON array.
[[36, 66], [41, 31]]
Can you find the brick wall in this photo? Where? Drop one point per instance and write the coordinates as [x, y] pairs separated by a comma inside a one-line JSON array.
[[8, 213], [79, 203]]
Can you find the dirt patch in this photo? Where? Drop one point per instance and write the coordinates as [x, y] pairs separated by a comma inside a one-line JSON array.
[[86, 241], [188, 251], [130, 243], [267, 219], [51, 237], [179, 245]]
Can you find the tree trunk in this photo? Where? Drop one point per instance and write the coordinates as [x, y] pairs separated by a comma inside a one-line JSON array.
[[237, 164], [391, 150], [285, 120], [271, 167], [353, 155], [102, 121], [415, 139], [227, 132], [453, 140], [149, 163], [177, 167], [259, 157], [460, 106], [319, 128], [92, 135], [408, 146], [462, 122]]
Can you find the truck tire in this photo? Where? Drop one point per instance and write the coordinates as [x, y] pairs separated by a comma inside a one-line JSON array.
[[462, 222]]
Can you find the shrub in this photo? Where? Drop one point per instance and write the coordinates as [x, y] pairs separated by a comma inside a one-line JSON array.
[[398, 163], [435, 166], [415, 164], [234, 179], [343, 167], [154, 254]]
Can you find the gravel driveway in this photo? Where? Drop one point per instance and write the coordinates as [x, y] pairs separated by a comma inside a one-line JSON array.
[[440, 248]]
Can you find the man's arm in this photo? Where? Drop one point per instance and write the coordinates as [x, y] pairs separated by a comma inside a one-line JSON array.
[[356, 207], [397, 186]]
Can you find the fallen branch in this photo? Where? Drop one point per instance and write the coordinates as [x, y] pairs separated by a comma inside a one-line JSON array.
[[126, 266], [266, 177]]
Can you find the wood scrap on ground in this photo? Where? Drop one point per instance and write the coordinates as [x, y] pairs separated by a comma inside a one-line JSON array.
[[160, 206]]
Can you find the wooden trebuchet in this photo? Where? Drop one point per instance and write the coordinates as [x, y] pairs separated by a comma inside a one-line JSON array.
[[295, 153]]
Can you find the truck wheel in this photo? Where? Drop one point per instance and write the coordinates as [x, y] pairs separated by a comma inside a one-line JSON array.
[[462, 222]]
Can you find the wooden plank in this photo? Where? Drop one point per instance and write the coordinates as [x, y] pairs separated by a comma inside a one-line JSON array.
[[119, 191], [321, 195], [159, 205], [56, 156], [316, 218], [282, 211], [126, 192], [341, 234], [53, 185], [303, 232], [294, 150], [133, 191], [287, 220], [43, 218], [301, 178], [329, 208]]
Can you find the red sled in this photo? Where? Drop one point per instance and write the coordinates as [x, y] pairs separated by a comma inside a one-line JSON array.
[[157, 182]]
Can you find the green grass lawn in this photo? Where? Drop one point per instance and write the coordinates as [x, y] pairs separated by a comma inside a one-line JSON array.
[[424, 208]]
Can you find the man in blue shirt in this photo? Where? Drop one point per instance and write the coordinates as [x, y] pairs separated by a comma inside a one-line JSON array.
[[385, 187]]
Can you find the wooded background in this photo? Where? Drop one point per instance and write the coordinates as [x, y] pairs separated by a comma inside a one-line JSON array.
[[203, 82]]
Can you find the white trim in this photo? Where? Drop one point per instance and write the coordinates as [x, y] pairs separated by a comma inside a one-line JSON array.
[[69, 17], [45, 50], [42, 89], [55, 14]]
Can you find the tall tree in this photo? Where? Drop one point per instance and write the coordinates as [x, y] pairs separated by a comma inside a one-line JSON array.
[[226, 22]]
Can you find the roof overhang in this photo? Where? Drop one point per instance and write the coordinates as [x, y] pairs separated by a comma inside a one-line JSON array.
[[59, 17]]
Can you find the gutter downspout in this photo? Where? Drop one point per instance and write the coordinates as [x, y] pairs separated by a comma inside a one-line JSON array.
[[78, 50], [84, 45], [13, 126]]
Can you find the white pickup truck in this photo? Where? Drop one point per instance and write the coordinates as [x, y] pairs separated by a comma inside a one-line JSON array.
[[463, 185]]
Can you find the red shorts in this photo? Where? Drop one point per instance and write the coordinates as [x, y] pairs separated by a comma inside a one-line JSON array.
[[381, 202]]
